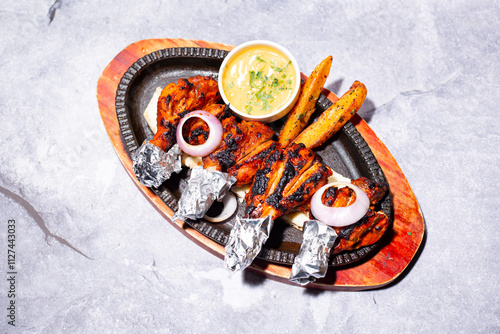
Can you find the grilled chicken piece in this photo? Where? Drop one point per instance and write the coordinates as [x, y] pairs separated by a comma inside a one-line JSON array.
[[374, 190], [239, 140], [286, 180], [224, 156], [338, 197], [255, 133], [178, 99], [369, 229], [245, 169]]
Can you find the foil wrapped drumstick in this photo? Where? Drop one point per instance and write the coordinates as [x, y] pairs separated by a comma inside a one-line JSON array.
[[312, 261]]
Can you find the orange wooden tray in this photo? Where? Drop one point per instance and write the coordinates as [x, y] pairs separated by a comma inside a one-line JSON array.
[[379, 270]]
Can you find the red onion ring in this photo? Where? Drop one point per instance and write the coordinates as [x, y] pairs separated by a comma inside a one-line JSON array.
[[214, 136], [339, 216]]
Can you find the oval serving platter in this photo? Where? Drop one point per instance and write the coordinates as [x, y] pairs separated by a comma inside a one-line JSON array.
[[155, 63]]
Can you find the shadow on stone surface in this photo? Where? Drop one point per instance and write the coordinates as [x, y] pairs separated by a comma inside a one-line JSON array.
[[367, 110], [314, 292], [334, 87], [253, 279]]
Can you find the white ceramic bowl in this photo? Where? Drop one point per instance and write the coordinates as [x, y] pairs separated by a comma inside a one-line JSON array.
[[277, 114]]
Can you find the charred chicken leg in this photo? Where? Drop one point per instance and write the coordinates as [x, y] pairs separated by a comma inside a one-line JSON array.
[[369, 229], [199, 92]]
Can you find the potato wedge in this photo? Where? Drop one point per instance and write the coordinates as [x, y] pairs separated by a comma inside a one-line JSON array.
[[334, 118], [299, 116]]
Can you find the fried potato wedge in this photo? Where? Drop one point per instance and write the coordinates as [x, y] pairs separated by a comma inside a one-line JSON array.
[[299, 116], [334, 118]]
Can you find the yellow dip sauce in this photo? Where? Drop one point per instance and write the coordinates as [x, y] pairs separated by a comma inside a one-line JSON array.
[[259, 80]]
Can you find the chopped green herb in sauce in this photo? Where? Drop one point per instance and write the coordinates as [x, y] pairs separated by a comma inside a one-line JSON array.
[[260, 59], [264, 88]]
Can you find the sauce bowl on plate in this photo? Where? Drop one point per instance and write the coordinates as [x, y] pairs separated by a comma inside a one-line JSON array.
[[260, 81]]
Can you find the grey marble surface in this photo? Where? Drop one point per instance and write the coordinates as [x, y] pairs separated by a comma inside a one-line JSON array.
[[93, 256]]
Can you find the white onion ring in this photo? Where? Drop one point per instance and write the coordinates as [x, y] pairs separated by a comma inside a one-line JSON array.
[[340, 216], [214, 136], [230, 205]]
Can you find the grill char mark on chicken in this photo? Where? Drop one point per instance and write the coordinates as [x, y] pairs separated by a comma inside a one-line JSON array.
[[238, 142], [286, 180], [224, 156], [307, 184], [374, 190], [245, 170]]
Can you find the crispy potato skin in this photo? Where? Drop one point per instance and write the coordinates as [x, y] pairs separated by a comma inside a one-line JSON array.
[[334, 118], [299, 116]]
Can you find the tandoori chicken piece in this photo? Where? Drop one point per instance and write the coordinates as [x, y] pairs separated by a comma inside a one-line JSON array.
[[374, 190], [245, 169], [286, 180], [199, 92], [369, 229], [239, 140]]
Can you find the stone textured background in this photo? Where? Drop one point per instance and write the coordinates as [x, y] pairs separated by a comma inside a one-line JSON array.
[[88, 263]]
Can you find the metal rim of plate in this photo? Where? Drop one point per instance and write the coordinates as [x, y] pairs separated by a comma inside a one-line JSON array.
[[219, 236]]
